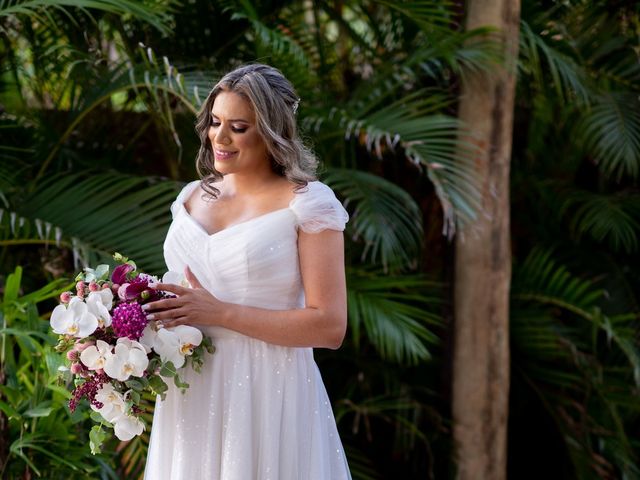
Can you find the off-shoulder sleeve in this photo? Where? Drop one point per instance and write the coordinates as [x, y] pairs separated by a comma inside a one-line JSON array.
[[182, 197], [317, 208]]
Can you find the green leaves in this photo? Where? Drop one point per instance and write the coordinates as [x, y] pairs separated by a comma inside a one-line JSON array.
[[121, 212], [581, 363], [432, 141], [384, 217], [394, 314], [97, 436], [611, 130], [612, 219], [156, 14]]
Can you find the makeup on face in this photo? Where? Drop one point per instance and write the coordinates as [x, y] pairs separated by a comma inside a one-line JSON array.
[[236, 143]]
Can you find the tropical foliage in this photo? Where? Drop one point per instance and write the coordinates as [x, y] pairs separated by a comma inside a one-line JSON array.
[[98, 102]]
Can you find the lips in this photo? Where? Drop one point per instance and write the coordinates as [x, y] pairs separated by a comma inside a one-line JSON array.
[[223, 154]]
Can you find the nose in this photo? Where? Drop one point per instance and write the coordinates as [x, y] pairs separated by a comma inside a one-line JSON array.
[[219, 136]]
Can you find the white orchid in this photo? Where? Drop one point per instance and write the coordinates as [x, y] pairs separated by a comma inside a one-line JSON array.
[[99, 304], [113, 404], [175, 278], [129, 358], [96, 356], [73, 319], [174, 344], [127, 426], [149, 337]]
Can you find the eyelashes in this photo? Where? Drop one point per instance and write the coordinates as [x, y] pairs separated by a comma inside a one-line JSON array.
[[233, 129]]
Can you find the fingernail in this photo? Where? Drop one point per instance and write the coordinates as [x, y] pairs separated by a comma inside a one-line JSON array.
[[152, 285], [146, 306], [159, 324], [151, 316]]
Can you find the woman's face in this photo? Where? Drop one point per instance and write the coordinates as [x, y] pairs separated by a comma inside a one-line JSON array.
[[237, 145]]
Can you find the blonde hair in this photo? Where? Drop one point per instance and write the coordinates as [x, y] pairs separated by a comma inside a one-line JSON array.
[[274, 102]]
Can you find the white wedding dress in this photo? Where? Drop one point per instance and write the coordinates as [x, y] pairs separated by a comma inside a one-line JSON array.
[[257, 411]]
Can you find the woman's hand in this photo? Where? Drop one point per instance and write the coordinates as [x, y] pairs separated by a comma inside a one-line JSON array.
[[192, 306]]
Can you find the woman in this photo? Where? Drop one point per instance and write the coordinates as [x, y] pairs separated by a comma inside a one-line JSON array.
[[261, 243]]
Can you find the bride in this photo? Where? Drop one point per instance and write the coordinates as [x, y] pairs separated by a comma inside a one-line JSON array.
[[260, 241]]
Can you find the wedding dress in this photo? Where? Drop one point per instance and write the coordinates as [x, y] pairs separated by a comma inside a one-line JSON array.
[[256, 411]]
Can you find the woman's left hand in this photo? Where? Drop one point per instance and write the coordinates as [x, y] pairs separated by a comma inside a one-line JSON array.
[[192, 306]]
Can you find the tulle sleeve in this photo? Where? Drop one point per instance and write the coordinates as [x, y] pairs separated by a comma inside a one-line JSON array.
[[317, 208], [182, 197]]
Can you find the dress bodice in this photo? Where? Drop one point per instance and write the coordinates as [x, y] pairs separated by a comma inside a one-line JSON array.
[[254, 262]]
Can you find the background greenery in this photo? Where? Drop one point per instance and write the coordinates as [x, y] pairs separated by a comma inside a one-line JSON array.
[[97, 104]]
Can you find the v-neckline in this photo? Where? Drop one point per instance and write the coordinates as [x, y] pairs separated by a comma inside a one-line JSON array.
[[188, 194], [230, 227]]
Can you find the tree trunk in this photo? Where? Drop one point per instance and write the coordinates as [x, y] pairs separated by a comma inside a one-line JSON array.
[[480, 387]]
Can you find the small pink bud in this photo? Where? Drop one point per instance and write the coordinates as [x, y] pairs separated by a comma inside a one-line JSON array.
[[115, 287], [80, 285], [65, 297], [80, 293], [105, 286], [93, 287], [72, 355], [82, 346], [76, 368]]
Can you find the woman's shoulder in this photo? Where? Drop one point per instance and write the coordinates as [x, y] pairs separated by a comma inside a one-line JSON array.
[[317, 208], [184, 195]]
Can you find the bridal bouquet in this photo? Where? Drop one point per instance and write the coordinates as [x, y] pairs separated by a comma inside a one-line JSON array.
[[115, 353]]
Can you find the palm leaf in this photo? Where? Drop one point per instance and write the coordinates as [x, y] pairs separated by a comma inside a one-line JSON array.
[[384, 216], [567, 77], [611, 130], [117, 213], [428, 138], [581, 375], [157, 14], [394, 313], [605, 218]]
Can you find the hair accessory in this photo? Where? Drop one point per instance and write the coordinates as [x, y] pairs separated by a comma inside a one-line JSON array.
[[295, 105]]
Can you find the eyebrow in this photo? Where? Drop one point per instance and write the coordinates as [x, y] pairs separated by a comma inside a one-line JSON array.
[[233, 119]]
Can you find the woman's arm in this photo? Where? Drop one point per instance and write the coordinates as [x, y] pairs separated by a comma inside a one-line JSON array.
[[321, 323]]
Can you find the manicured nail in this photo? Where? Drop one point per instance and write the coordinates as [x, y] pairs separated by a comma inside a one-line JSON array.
[[152, 285], [159, 325], [151, 316], [146, 306]]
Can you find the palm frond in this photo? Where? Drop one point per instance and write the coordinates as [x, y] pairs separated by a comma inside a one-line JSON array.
[[541, 280], [537, 56], [611, 130], [157, 14], [429, 15], [428, 138], [384, 216], [159, 78], [272, 40], [394, 313], [582, 376], [605, 218], [107, 212]]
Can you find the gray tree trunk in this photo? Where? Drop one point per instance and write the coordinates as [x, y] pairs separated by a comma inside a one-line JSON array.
[[483, 262]]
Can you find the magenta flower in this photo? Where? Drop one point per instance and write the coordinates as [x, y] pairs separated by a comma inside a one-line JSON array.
[[128, 320], [119, 274]]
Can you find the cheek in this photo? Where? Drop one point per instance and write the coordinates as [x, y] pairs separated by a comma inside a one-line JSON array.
[[211, 133], [252, 141]]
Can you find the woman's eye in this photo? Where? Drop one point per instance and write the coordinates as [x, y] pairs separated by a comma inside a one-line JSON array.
[[215, 124]]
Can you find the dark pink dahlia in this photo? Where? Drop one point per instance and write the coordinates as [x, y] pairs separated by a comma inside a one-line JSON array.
[[128, 320]]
